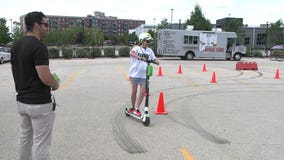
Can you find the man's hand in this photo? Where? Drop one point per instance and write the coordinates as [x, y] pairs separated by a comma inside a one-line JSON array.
[[53, 88]]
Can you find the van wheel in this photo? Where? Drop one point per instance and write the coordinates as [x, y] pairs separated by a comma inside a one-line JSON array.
[[237, 57], [189, 56], [1, 60]]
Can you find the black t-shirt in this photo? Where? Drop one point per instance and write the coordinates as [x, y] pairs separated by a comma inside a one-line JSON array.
[[25, 55]]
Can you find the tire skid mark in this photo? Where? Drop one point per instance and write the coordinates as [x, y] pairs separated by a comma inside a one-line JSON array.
[[190, 123], [257, 76], [123, 139], [240, 74]]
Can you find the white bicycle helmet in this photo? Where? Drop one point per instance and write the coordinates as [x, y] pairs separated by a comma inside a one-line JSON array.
[[145, 36]]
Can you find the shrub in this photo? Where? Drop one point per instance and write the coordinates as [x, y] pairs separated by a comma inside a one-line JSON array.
[[53, 53], [95, 52], [124, 51], [67, 53], [109, 52], [254, 53], [277, 53], [82, 52]]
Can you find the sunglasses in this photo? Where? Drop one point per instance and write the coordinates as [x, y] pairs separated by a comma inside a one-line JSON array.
[[148, 41], [45, 24]]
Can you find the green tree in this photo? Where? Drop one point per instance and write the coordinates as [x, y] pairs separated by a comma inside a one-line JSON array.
[[164, 24], [132, 38], [17, 32], [235, 25], [52, 37], [63, 37], [123, 39], [91, 36], [276, 33], [4, 32], [198, 20]]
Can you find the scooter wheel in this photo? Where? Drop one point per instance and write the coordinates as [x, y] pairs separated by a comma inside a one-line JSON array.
[[147, 122], [126, 112]]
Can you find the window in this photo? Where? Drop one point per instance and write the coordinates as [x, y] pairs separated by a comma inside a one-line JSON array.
[[247, 39], [190, 40], [260, 39]]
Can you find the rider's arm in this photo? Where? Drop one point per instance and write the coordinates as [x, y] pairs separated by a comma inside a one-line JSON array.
[[156, 61], [134, 54]]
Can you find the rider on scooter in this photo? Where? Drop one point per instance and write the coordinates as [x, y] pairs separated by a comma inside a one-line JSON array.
[[137, 73]]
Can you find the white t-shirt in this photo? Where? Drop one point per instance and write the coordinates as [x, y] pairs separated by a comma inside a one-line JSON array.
[[138, 67]]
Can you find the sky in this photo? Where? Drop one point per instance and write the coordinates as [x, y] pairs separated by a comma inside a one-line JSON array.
[[253, 12]]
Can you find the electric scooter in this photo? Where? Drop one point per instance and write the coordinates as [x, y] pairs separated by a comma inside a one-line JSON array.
[[145, 117]]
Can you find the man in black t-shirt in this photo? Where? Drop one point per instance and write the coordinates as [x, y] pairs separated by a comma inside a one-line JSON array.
[[33, 82]]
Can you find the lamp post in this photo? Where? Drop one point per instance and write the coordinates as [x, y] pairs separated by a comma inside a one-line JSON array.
[[154, 25], [172, 17], [266, 40], [11, 25], [83, 25]]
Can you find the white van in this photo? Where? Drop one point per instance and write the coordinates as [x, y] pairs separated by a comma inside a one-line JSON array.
[[4, 55], [188, 44]]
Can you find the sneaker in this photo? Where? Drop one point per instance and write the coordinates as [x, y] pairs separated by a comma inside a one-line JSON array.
[[137, 112], [130, 110]]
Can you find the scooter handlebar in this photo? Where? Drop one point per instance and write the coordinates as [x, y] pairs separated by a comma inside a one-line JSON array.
[[152, 61]]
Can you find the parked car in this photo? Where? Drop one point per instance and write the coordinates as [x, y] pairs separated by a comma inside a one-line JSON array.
[[4, 55], [277, 52]]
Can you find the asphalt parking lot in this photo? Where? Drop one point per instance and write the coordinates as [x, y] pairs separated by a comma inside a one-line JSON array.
[[240, 117]]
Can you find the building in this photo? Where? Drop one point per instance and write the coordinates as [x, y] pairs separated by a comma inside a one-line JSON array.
[[112, 25], [225, 22], [251, 37], [255, 38], [108, 24]]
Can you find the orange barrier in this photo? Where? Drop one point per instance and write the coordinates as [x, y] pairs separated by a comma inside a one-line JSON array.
[[246, 66]]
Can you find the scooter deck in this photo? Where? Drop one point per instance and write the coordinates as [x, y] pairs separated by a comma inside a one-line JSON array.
[[132, 114]]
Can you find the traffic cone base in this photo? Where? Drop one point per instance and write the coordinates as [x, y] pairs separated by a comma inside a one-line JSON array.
[[161, 106], [277, 74]]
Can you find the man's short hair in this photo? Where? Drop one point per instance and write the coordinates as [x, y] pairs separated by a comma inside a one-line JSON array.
[[32, 18]]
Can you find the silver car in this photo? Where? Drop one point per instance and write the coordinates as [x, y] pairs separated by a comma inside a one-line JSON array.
[[4, 55]]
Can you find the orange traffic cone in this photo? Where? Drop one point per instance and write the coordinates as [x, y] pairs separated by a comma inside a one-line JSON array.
[[179, 70], [204, 68], [277, 74], [213, 80], [160, 72], [161, 106]]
